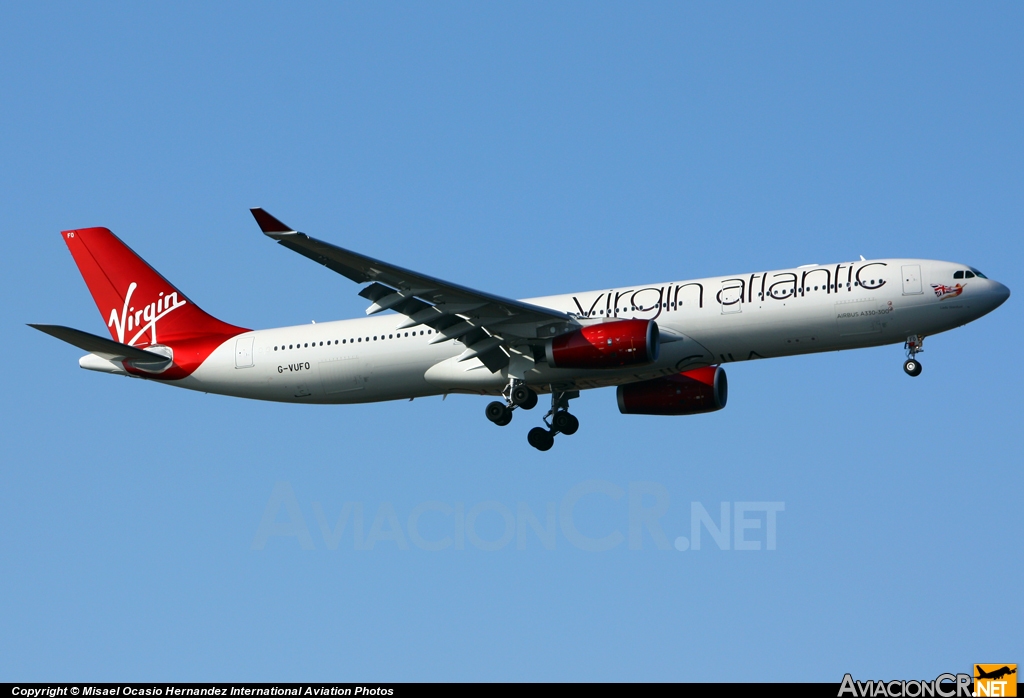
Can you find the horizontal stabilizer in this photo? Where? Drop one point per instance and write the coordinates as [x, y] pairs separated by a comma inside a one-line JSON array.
[[101, 346]]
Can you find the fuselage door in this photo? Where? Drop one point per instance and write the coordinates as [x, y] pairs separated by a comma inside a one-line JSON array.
[[243, 352], [731, 296], [911, 279]]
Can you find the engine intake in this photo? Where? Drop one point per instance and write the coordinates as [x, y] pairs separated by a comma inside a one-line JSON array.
[[605, 345], [690, 392]]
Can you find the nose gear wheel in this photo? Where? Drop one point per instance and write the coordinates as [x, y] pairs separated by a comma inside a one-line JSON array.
[[913, 346]]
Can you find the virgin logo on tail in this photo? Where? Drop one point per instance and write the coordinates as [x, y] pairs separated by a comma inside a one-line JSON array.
[[131, 319]]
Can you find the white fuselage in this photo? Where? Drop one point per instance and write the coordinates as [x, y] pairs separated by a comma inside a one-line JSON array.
[[707, 321]]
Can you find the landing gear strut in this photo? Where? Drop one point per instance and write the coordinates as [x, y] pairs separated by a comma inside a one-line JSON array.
[[517, 394], [560, 422], [914, 346]]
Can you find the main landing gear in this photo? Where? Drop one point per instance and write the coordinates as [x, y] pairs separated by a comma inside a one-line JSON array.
[[914, 346], [561, 422], [556, 421], [517, 394]]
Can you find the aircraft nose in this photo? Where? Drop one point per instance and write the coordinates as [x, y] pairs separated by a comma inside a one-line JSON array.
[[1000, 293], [997, 294]]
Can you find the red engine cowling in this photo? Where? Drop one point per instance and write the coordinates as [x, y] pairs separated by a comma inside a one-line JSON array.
[[690, 392], [605, 345]]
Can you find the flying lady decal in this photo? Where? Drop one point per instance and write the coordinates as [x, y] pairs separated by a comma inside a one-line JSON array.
[[943, 292]]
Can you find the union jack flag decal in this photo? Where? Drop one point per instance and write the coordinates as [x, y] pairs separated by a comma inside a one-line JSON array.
[[942, 292]]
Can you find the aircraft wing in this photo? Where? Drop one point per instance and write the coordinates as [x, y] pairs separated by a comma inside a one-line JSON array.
[[491, 327]]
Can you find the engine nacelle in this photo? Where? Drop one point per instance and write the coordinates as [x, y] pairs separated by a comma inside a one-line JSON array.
[[605, 345], [690, 392]]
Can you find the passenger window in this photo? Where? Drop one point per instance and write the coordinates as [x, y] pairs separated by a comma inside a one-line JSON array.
[[958, 275]]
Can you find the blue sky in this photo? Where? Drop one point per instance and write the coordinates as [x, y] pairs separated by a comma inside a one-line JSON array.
[[523, 149]]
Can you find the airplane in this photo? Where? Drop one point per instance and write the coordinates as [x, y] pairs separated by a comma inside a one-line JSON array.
[[662, 346], [995, 674]]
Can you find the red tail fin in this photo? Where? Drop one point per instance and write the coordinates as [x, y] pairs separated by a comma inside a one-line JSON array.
[[139, 306]]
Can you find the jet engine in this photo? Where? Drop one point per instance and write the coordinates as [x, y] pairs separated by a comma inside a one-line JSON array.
[[690, 392], [605, 345]]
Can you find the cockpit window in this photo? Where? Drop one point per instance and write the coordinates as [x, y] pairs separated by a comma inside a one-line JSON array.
[[958, 274], [978, 273], [969, 275]]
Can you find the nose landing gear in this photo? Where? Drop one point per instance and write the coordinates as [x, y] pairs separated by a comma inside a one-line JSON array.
[[914, 346]]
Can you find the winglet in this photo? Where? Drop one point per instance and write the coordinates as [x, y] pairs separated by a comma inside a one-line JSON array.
[[268, 224]]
